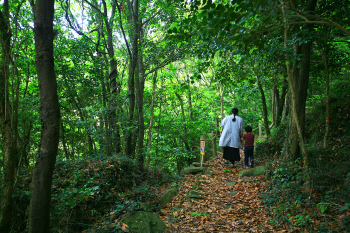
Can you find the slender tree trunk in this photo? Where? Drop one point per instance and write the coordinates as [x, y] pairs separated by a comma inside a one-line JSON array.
[[281, 102], [190, 110], [39, 210], [286, 105], [149, 136], [273, 105], [183, 138], [7, 123], [325, 62], [222, 89], [266, 122], [139, 96], [64, 142]]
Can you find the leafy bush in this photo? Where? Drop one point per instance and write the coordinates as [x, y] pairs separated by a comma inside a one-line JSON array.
[[86, 190]]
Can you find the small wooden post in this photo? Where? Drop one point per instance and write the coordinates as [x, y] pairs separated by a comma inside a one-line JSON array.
[[214, 144], [202, 139], [259, 129]]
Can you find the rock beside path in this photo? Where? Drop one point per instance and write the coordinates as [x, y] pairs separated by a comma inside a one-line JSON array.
[[196, 195], [192, 170], [168, 195], [198, 164], [257, 171], [145, 222]]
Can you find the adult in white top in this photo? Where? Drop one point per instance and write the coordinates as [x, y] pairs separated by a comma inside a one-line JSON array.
[[232, 132]]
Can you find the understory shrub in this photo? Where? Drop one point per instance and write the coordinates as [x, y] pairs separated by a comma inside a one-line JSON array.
[[84, 191]]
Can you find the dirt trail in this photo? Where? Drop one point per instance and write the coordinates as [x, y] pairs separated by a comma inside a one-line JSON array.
[[229, 203]]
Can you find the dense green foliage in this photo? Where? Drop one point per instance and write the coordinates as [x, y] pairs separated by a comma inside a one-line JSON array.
[[164, 73]]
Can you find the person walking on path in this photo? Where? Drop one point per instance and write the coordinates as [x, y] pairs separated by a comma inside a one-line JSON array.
[[230, 140], [248, 147]]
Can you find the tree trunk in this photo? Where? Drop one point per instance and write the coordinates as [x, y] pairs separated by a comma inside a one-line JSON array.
[[298, 79], [7, 127], [286, 106], [39, 209], [140, 84], [266, 122], [183, 138], [273, 105], [64, 142], [149, 136], [281, 102], [222, 89], [325, 62], [114, 85], [133, 19]]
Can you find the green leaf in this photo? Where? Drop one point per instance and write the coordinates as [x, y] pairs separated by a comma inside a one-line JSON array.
[[346, 206]]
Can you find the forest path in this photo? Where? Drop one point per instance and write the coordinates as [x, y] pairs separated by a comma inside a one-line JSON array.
[[229, 203]]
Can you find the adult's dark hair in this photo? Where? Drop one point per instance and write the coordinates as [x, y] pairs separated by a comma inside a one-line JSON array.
[[248, 129], [235, 113]]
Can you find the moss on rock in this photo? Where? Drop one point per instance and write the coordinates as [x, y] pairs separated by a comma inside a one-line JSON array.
[[257, 171], [145, 222], [168, 195]]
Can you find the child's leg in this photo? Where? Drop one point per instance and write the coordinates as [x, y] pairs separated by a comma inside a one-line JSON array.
[[251, 161], [252, 157], [246, 156]]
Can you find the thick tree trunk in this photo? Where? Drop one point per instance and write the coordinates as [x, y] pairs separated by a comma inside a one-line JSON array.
[[263, 100], [298, 79], [133, 19], [7, 123], [39, 210], [114, 141]]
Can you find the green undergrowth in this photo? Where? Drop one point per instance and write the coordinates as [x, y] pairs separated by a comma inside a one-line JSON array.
[[89, 193], [325, 207]]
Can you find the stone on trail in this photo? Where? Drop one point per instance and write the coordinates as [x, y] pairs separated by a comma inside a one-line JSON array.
[[209, 173], [192, 170], [172, 219], [198, 164], [233, 193], [145, 222], [197, 187], [196, 195], [168, 195], [257, 171], [231, 183]]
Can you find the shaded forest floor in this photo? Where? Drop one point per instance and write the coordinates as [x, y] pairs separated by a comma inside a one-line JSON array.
[[230, 203]]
